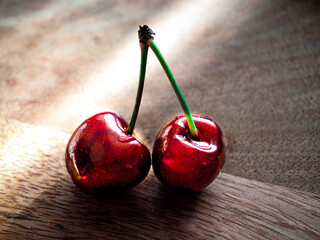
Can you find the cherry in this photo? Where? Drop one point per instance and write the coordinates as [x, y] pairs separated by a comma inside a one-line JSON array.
[[103, 155], [102, 158], [189, 151], [184, 163]]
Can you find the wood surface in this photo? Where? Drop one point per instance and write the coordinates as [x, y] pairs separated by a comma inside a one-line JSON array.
[[252, 66], [39, 201]]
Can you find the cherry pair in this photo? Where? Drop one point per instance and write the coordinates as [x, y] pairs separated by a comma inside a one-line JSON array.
[[103, 155]]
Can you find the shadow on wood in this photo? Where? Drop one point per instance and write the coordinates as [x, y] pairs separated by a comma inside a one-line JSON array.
[[148, 211]]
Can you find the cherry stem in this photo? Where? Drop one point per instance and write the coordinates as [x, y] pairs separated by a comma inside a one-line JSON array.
[[192, 126], [143, 64]]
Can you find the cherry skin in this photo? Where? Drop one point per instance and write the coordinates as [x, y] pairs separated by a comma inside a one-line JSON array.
[[102, 158], [185, 164]]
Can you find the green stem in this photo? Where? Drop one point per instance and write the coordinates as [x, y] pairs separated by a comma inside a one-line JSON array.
[[192, 126], [143, 64]]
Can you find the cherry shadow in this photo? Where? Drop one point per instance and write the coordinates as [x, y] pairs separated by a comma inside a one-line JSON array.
[[147, 211]]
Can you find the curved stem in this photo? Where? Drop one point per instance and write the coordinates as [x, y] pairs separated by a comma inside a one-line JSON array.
[[192, 126], [143, 64]]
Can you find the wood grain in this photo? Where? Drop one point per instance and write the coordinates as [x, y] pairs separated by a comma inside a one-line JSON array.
[[39, 201], [252, 66]]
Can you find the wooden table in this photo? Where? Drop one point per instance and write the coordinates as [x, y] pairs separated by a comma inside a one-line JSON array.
[[252, 66], [39, 201]]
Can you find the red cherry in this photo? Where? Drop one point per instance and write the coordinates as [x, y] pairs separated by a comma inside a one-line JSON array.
[[186, 164], [102, 158]]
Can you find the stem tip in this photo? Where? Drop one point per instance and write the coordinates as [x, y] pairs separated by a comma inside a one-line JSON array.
[[145, 33]]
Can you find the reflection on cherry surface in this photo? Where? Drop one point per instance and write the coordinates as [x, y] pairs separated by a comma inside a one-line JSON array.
[[184, 163], [102, 158]]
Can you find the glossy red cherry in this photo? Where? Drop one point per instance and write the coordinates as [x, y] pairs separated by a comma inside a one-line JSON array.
[[186, 164], [102, 158]]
